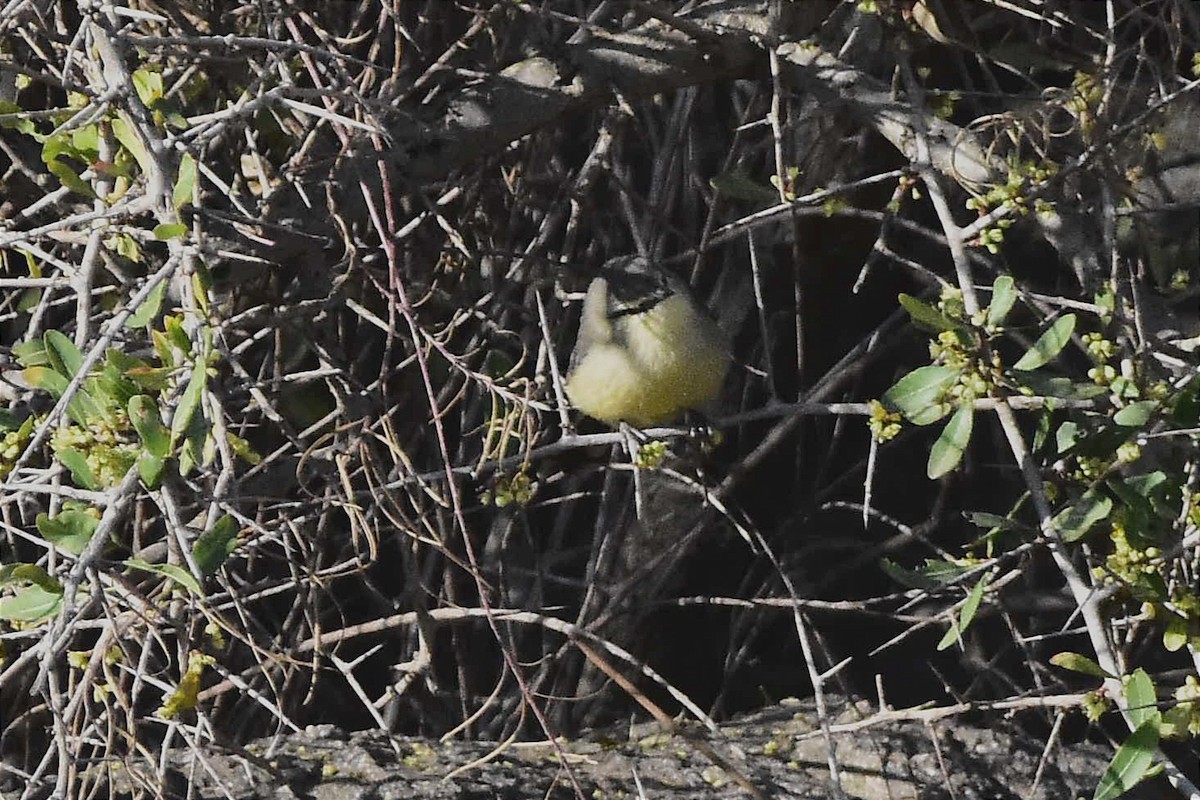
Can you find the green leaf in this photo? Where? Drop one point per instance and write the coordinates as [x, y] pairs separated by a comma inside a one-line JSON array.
[[215, 545], [48, 378], [1185, 410], [176, 335], [150, 468], [960, 625], [176, 573], [185, 185], [151, 379], [21, 124], [143, 413], [40, 599], [1144, 485], [927, 317], [149, 86], [86, 141], [146, 313], [242, 449], [170, 230], [906, 577], [127, 135], [30, 604], [1004, 294], [1142, 698], [70, 179], [989, 521], [1136, 414], [189, 402], [1175, 634], [919, 394], [1073, 522], [948, 450], [82, 409], [32, 353], [70, 530], [738, 185], [931, 575], [9, 421], [111, 381], [81, 473], [1062, 388], [1079, 663], [973, 600], [1067, 436], [14, 574], [64, 356], [1130, 764], [1048, 345]]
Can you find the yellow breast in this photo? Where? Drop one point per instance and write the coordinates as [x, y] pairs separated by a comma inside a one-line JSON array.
[[652, 366]]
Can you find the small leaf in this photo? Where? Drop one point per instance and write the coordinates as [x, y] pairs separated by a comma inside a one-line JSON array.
[[1142, 699], [42, 598], [919, 394], [65, 357], [143, 413], [989, 521], [126, 134], [1079, 663], [1136, 414], [70, 179], [1185, 410], [973, 600], [149, 86], [126, 246], [47, 379], [32, 353], [151, 379], [176, 573], [738, 185], [150, 468], [146, 313], [82, 409], [1060, 387], [215, 545], [21, 124], [30, 604], [1130, 764], [242, 449], [81, 473], [932, 574], [1076, 520], [1048, 345], [1003, 296], [185, 185], [927, 317], [906, 577], [1067, 435], [14, 574], [189, 402], [1175, 635], [201, 286], [960, 625], [70, 530], [948, 450], [170, 230]]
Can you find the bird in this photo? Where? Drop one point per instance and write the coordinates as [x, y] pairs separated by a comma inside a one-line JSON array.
[[647, 350]]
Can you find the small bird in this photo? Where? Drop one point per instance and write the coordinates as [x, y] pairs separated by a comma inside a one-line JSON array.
[[647, 350]]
